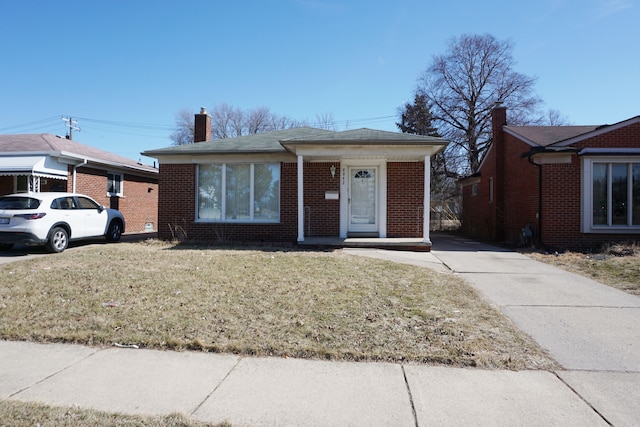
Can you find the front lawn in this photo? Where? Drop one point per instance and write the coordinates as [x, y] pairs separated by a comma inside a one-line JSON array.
[[616, 265], [23, 414], [323, 305]]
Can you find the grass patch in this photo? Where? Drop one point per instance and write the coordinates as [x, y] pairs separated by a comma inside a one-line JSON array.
[[266, 303], [616, 265], [22, 414]]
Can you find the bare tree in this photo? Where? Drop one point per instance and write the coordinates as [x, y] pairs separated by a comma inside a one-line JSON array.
[[464, 84], [184, 128], [325, 121], [556, 118], [226, 122], [259, 120], [230, 122]]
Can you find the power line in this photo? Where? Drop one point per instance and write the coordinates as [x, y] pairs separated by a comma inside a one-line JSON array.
[[137, 128], [31, 125]]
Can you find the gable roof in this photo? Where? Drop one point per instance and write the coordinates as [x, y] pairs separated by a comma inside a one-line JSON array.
[[47, 144], [543, 136], [267, 142], [599, 131], [279, 141], [563, 136]]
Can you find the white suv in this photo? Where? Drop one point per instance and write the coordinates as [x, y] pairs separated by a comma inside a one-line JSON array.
[[53, 219]]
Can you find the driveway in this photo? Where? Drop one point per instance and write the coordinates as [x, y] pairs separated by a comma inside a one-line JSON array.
[[583, 324]]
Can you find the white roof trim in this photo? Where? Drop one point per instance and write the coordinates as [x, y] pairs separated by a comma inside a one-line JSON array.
[[609, 152]]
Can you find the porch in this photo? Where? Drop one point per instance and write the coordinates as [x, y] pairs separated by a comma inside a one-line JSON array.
[[398, 243]]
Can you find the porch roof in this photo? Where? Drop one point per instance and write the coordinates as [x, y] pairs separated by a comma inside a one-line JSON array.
[[366, 136], [41, 166]]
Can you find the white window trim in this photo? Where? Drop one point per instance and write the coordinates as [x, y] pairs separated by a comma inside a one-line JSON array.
[[586, 206], [119, 193], [223, 201]]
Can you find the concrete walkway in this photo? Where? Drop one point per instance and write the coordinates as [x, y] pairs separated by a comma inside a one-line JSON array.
[[591, 329], [294, 392]]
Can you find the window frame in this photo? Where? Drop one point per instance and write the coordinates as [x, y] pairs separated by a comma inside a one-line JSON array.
[[224, 194], [587, 216], [109, 179]]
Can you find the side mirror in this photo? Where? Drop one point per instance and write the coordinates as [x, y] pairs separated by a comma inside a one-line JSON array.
[[101, 208]]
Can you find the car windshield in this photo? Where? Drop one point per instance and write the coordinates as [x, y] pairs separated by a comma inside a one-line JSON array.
[[18, 203]]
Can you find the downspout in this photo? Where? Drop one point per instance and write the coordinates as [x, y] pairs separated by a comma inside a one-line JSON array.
[[84, 162]]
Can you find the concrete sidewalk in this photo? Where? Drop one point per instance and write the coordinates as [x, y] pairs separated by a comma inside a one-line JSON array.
[[589, 328], [293, 392]]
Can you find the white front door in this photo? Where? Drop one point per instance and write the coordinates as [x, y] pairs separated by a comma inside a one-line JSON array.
[[363, 199]]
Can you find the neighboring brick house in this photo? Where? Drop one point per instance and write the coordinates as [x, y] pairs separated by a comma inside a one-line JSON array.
[[562, 187], [291, 185], [44, 162]]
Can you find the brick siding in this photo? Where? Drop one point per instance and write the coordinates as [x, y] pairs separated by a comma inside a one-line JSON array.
[[138, 204], [322, 216], [177, 205], [561, 195], [177, 210], [405, 199]]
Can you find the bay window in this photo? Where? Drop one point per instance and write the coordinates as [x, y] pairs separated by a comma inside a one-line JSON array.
[[611, 195], [243, 192]]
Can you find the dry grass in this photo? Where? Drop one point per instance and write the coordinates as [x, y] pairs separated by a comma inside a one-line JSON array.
[[22, 414], [617, 265], [268, 303]]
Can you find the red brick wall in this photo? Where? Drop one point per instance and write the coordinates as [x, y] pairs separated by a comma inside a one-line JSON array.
[[138, 204], [405, 199], [177, 210], [520, 190], [561, 196], [479, 212], [322, 216]]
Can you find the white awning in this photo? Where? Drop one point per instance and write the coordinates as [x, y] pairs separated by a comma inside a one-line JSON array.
[[41, 166]]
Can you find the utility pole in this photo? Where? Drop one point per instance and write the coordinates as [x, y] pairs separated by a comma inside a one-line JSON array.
[[71, 124]]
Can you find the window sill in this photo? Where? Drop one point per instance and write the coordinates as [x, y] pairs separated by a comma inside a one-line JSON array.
[[237, 222], [613, 230]]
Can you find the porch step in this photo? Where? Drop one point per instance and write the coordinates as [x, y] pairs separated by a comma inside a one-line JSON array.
[[397, 243]]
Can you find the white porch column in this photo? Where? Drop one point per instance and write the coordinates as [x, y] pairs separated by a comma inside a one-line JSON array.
[[426, 216], [300, 200]]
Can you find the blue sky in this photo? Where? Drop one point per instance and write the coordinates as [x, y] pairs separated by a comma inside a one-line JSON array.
[[125, 68]]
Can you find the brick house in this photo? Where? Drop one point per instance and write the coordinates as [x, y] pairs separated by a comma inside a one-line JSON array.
[[295, 185], [44, 162], [562, 187]]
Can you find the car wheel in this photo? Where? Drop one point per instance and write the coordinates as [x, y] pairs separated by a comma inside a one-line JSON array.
[[6, 246], [114, 232], [58, 240]]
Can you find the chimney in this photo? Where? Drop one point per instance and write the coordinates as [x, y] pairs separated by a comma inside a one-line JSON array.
[[498, 119], [202, 126]]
